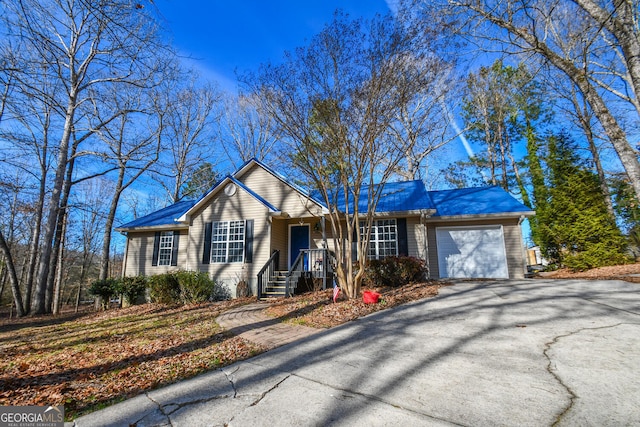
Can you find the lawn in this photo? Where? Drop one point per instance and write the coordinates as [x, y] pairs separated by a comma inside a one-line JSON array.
[[96, 359]]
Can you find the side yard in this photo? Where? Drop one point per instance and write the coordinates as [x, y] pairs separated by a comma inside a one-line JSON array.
[[100, 358]]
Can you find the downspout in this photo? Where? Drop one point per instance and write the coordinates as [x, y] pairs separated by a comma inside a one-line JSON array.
[[126, 253], [524, 251], [423, 221]]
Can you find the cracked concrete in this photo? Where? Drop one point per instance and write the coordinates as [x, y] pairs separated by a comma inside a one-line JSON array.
[[525, 353]]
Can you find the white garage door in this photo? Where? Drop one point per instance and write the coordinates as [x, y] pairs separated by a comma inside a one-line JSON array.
[[472, 252]]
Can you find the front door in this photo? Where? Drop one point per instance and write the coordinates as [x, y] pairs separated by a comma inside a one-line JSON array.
[[298, 239]]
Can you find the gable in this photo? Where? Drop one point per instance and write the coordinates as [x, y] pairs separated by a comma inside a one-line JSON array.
[[289, 199]]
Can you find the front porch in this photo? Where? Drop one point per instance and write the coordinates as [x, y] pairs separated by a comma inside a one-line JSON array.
[[312, 270], [299, 260]]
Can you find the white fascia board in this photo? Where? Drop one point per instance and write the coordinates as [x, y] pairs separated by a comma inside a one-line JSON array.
[[502, 215]]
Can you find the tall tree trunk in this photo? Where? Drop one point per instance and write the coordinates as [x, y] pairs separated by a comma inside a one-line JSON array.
[[13, 277], [3, 276], [584, 118], [622, 24], [106, 241], [35, 237], [60, 228], [39, 304], [57, 290], [578, 76]]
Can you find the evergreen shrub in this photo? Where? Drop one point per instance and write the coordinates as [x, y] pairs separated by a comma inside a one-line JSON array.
[[131, 288], [394, 271], [164, 288], [103, 289], [186, 287]]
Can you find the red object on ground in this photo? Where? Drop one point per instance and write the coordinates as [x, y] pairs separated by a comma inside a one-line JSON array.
[[370, 297]]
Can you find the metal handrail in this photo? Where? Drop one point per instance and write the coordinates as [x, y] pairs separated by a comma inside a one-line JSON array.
[[318, 265], [269, 268]]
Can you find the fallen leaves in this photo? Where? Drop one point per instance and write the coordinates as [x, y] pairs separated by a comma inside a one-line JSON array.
[[317, 310], [622, 272], [98, 358]]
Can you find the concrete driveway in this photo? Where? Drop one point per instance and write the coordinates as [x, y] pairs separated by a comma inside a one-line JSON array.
[[510, 353]]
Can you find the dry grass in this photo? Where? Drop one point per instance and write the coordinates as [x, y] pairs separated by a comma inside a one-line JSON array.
[[316, 309], [90, 361]]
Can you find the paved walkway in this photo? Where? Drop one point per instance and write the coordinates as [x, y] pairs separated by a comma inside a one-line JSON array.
[[250, 322]]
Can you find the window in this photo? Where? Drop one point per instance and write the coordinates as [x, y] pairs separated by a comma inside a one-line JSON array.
[[165, 248], [227, 241], [384, 238]]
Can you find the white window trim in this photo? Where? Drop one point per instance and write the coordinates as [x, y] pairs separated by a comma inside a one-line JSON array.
[[165, 244], [227, 242], [373, 237]]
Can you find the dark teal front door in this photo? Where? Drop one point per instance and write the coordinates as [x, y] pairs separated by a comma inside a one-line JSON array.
[[298, 239]]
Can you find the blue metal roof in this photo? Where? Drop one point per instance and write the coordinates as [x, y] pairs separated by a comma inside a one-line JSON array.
[[165, 216], [395, 197], [475, 201]]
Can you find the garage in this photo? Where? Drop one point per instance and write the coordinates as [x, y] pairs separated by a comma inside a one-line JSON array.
[[472, 252]]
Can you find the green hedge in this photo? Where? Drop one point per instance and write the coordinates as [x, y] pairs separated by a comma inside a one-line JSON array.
[[186, 287], [394, 271], [131, 288], [164, 288], [104, 289]]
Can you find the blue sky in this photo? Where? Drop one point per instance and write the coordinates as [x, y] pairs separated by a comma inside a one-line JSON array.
[[224, 35]]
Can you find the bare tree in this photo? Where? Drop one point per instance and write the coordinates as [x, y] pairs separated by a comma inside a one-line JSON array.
[[335, 101], [423, 122], [88, 224], [245, 131], [83, 47], [595, 46], [187, 135], [13, 277], [578, 111], [133, 145]]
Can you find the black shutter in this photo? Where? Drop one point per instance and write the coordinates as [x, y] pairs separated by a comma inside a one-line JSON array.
[[174, 248], [248, 241], [156, 249], [206, 253], [403, 244]]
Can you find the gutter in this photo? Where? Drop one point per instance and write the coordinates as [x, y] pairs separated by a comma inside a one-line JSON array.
[[502, 215], [162, 227]]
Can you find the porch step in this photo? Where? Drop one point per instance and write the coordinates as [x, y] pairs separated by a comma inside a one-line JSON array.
[[276, 286]]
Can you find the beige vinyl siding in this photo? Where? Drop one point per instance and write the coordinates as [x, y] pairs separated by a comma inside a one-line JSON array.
[[279, 194], [279, 240], [417, 238], [512, 241], [140, 254], [222, 207]]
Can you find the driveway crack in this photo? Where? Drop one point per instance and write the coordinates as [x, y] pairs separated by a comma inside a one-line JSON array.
[[550, 368], [160, 408], [263, 395], [377, 399], [230, 379]]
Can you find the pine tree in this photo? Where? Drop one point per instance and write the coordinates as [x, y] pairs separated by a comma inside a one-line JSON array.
[[575, 229]]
